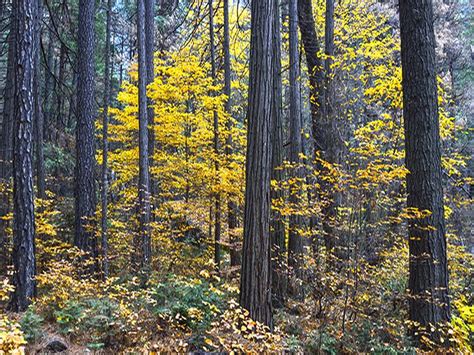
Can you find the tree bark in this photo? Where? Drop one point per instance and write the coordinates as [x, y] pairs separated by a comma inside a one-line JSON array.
[[217, 196], [150, 77], [428, 281], [295, 245], [6, 141], [232, 220], [39, 118], [25, 27], [277, 227], [255, 284], [105, 144], [85, 193], [144, 242]]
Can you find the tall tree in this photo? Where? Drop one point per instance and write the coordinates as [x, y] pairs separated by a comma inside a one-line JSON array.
[[295, 244], [428, 281], [232, 220], [277, 226], [150, 76], [39, 117], [328, 131], [144, 242], [6, 140], [217, 197], [255, 283], [25, 27], [85, 186], [105, 141], [311, 46]]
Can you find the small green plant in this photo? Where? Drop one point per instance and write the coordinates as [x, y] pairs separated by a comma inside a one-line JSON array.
[[31, 324]]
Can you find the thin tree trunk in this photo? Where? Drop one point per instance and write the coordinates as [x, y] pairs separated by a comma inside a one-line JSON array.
[[277, 227], [105, 144], [150, 76], [39, 119], [85, 193], [295, 245], [428, 281], [6, 141], [25, 19], [217, 197], [255, 283], [232, 220], [144, 243]]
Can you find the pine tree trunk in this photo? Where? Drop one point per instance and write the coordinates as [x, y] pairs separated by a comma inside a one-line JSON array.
[[144, 242], [277, 227], [6, 140], [428, 281], [150, 77], [85, 193], [25, 27], [255, 284], [295, 245], [39, 118], [232, 220], [217, 197], [105, 144]]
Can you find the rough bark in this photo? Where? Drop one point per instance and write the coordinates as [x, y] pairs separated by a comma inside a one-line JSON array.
[[255, 284], [295, 245], [6, 140], [25, 27], [150, 76], [39, 118], [217, 196], [105, 144], [85, 186], [144, 242], [232, 220], [314, 64], [428, 281], [277, 227]]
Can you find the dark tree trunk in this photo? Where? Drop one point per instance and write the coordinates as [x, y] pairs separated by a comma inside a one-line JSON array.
[[428, 282], [60, 119], [6, 139], [277, 227], [314, 63], [217, 197], [255, 283], [105, 144], [328, 131], [25, 27], [39, 118], [85, 193], [295, 245], [150, 76], [144, 243], [48, 87], [232, 220]]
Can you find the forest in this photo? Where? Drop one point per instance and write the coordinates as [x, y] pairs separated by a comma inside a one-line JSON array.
[[236, 176]]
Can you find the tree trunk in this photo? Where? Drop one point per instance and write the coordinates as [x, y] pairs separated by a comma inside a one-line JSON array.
[[25, 27], [277, 227], [217, 197], [144, 242], [428, 281], [85, 194], [311, 47], [6, 141], [232, 220], [295, 245], [255, 283], [150, 77], [39, 118], [105, 144]]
